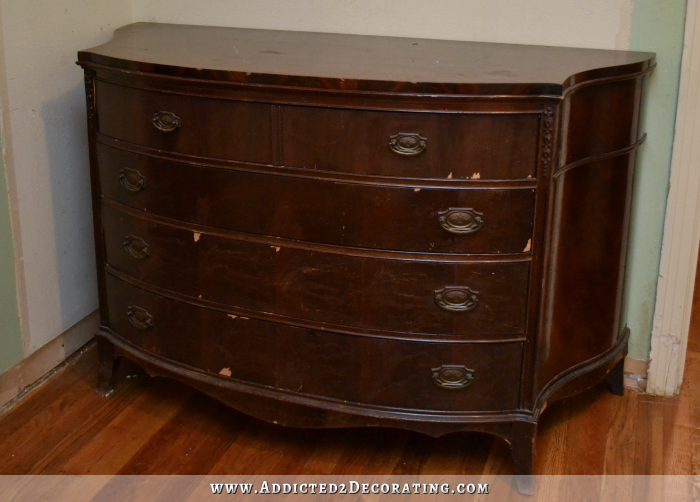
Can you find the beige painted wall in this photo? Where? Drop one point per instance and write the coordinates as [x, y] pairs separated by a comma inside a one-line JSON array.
[[43, 115], [602, 24]]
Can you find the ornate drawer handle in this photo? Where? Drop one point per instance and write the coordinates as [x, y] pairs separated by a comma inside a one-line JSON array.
[[166, 121], [132, 180], [139, 317], [456, 299], [408, 143], [453, 376], [460, 220], [136, 247]]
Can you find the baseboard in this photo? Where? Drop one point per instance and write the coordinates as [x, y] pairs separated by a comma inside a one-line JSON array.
[[31, 369], [636, 374]]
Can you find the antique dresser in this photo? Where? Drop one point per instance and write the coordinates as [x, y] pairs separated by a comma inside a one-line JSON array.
[[332, 230]]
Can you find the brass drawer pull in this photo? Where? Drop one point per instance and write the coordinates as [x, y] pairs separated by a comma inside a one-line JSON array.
[[460, 220], [166, 121], [139, 317], [456, 299], [453, 377], [408, 143], [132, 180], [136, 247]]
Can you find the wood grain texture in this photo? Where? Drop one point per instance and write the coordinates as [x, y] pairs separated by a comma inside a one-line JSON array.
[[363, 292], [279, 356], [400, 218], [356, 62]]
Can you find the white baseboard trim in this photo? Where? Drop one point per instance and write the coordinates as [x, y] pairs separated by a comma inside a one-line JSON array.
[[30, 369]]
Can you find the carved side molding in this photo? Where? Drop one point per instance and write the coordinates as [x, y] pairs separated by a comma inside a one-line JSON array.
[[132, 180], [166, 121], [138, 317], [456, 299], [453, 377], [460, 220], [408, 143], [548, 136], [136, 247], [90, 99]]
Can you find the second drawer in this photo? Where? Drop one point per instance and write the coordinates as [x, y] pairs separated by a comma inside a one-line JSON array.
[[400, 218], [366, 291]]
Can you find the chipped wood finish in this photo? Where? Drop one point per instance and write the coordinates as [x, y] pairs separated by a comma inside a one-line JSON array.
[[364, 245]]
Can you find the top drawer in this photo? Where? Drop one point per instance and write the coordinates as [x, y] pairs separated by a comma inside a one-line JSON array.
[[204, 127], [411, 145]]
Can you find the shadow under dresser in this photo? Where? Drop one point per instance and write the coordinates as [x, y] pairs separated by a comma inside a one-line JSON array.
[[337, 231]]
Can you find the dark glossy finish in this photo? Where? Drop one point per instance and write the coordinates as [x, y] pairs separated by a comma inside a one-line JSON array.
[[374, 292], [205, 127], [326, 60], [378, 216], [316, 363], [458, 146], [336, 241]]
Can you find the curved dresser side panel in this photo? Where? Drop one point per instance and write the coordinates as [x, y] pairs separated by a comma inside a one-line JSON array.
[[590, 202]]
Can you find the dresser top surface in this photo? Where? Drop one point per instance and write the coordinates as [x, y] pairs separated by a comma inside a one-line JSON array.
[[307, 59]]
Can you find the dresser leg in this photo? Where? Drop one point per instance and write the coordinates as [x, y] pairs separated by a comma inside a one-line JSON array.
[[107, 367], [522, 444], [617, 378]]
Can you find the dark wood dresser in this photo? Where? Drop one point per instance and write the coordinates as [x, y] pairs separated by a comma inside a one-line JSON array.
[[336, 231]]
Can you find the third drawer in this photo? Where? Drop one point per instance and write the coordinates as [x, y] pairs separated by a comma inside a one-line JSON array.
[[361, 290]]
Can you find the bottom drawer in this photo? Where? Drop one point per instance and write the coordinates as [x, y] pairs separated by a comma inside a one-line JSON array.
[[374, 371]]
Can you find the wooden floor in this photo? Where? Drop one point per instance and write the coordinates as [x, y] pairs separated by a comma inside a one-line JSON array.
[[156, 426]]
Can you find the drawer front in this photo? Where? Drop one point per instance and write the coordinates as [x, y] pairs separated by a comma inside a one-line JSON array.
[[281, 277], [381, 217], [185, 124], [400, 374], [411, 145]]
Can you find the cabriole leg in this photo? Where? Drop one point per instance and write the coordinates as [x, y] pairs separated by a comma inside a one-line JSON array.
[[107, 367], [522, 444]]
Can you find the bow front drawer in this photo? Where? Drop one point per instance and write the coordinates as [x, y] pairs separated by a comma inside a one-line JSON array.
[[203, 127], [411, 145], [361, 291], [400, 218]]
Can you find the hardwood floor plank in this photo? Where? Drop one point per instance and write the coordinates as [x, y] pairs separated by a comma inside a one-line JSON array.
[[414, 455], [374, 451], [55, 388], [587, 431], [254, 448], [620, 439], [43, 437], [328, 451], [190, 442], [109, 450], [459, 454]]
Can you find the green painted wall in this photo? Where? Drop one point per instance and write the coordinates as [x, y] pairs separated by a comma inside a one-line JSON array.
[[10, 334], [657, 26]]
